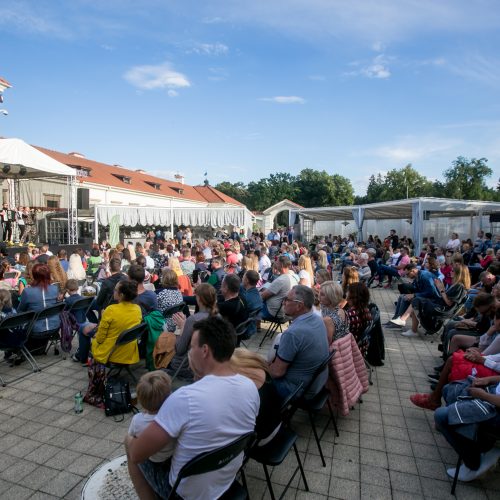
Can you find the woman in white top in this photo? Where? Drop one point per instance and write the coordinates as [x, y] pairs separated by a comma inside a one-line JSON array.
[[306, 273], [453, 243]]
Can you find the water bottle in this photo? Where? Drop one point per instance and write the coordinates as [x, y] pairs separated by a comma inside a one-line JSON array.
[[78, 402]]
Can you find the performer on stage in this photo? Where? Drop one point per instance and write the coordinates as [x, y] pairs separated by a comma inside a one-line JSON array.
[[21, 226], [7, 216], [30, 224]]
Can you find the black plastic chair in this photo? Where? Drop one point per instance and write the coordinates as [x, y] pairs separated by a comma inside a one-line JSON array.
[[213, 460], [133, 334], [275, 324], [14, 331], [51, 335], [242, 328], [275, 451], [315, 404], [82, 304]]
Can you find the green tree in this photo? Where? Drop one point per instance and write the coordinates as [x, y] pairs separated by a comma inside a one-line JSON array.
[[318, 188], [266, 192], [236, 190], [398, 184], [466, 179]]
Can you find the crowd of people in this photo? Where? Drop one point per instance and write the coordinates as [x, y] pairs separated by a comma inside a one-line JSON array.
[[199, 292]]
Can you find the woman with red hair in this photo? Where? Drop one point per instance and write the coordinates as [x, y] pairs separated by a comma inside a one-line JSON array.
[[39, 295]]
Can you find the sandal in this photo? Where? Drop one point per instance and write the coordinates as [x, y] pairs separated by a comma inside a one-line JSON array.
[[424, 401]]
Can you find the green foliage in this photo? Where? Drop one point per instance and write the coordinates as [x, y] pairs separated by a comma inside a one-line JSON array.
[[467, 179]]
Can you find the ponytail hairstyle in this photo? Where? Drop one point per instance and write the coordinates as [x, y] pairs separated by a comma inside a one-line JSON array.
[[207, 296]]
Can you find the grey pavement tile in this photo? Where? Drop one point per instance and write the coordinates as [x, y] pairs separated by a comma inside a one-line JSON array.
[[46, 434], [23, 448], [372, 429], [471, 492], [399, 447], [432, 469], [344, 489], [43, 453], [345, 452], [403, 495], [350, 438], [18, 470], [61, 484], [395, 432], [374, 492], [432, 488], [18, 492], [7, 461], [395, 421], [425, 451], [318, 483], [345, 469], [378, 476], [84, 465], [402, 463], [313, 463], [371, 417], [373, 457], [62, 459], [402, 481], [38, 495], [372, 442], [422, 437], [76, 492], [40, 476], [307, 495]]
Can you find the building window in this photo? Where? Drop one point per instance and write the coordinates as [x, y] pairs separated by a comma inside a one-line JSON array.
[[124, 178], [154, 185]]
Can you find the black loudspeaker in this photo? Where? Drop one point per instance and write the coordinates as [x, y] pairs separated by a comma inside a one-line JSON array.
[[495, 217], [82, 199]]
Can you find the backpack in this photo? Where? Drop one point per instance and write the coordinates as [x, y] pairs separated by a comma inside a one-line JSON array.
[[68, 327]]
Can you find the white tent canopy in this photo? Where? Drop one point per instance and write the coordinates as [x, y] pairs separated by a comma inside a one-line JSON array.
[[415, 209], [26, 162]]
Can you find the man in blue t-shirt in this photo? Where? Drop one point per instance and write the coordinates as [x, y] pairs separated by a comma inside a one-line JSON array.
[[303, 346]]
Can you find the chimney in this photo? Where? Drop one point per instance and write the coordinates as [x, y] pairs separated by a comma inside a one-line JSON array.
[[77, 155], [179, 178]]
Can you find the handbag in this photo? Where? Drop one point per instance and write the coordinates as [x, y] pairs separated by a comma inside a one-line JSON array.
[[117, 397]]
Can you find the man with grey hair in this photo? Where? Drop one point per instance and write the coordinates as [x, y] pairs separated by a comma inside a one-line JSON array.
[[303, 346]]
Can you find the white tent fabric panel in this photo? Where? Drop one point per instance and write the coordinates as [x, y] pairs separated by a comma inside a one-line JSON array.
[[149, 216], [18, 155]]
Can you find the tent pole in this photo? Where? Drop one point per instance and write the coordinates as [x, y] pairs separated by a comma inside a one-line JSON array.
[[72, 211], [96, 226]]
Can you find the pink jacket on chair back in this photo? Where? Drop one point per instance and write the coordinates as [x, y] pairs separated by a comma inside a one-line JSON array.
[[348, 378]]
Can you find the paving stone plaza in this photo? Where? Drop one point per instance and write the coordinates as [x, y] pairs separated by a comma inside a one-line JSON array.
[[387, 447]]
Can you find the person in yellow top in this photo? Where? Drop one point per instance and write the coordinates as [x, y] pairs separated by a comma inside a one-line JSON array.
[[115, 319]]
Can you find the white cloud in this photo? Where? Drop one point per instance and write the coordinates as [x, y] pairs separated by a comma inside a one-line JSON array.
[[475, 67], [160, 76], [411, 148], [378, 67], [218, 74], [378, 46], [209, 49], [282, 99], [172, 93]]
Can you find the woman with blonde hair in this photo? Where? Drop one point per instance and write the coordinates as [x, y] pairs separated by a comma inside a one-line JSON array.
[[349, 276], [57, 274], [306, 274], [75, 268], [255, 367], [322, 262], [334, 316], [174, 265]]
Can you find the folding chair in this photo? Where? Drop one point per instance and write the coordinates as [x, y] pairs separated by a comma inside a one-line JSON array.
[[133, 334], [315, 404], [14, 332], [82, 304], [275, 324], [210, 461], [51, 335], [242, 328], [275, 451]]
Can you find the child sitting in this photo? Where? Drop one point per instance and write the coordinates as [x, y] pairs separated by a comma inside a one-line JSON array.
[[152, 390], [86, 329]]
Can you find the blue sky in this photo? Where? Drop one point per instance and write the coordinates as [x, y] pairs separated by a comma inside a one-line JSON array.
[[243, 89]]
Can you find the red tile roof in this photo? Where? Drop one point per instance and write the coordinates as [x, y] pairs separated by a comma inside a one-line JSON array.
[[109, 175], [5, 83]]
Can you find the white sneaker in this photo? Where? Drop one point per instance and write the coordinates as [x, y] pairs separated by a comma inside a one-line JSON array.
[[398, 321], [409, 333], [488, 460]]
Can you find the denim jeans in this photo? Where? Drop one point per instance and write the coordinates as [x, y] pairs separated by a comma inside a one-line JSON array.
[[401, 306], [387, 270]]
